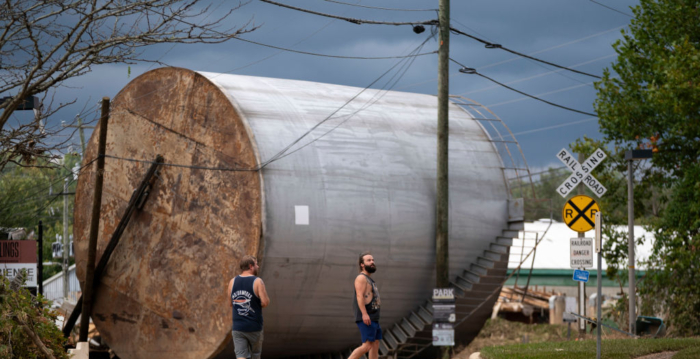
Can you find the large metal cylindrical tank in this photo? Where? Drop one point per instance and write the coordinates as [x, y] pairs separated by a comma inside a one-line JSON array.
[[365, 181]]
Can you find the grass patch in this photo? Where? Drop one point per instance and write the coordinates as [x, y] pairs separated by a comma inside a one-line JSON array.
[[688, 353], [611, 349]]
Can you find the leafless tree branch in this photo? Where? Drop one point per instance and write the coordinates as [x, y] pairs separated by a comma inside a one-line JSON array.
[[44, 43]]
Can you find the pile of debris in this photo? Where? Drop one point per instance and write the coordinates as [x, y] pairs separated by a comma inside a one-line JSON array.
[[523, 305]]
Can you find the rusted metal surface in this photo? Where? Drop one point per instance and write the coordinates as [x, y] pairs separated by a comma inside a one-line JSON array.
[[368, 185], [162, 292]]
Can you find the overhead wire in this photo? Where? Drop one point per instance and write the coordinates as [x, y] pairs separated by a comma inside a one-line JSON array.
[[73, 174], [353, 20], [282, 152], [611, 8], [51, 184], [334, 56], [404, 68], [555, 126], [536, 76], [490, 45], [381, 8], [518, 58], [468, 70], [537, 95]]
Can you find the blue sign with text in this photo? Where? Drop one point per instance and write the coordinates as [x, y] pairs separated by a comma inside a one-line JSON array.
[[581, 275]]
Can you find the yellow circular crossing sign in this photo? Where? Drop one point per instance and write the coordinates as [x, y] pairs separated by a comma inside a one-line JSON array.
[[579, 213]]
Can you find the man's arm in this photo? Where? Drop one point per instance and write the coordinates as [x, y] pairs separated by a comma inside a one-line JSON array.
[[228, 292], [261, 292], [360, 288]]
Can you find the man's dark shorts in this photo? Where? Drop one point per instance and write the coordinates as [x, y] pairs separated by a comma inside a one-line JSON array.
[[370, 332]]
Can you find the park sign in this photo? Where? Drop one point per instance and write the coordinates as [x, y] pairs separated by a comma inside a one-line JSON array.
[[581, 172], [443, 317]]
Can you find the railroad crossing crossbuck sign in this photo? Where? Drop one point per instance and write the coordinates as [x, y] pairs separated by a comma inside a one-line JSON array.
[[579, 213], [581, 172]]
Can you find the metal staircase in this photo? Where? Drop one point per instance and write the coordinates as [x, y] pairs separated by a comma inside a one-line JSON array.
[[477, 288]]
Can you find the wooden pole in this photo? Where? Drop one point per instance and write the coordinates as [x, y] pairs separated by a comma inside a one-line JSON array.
[[95, 223], [442, 258], [66, 242], [136, 198], [441, 248], [40, 264]]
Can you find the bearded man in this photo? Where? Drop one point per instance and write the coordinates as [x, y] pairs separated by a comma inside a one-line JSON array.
[[366, 305]]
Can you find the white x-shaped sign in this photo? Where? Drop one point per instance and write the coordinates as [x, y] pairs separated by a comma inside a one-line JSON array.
[[581, 172]]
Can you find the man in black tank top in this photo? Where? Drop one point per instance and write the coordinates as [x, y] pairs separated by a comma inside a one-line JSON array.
[[366, 305], [247, 296]]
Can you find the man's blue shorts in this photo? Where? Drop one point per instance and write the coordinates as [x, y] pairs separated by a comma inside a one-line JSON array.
[[370, 332]]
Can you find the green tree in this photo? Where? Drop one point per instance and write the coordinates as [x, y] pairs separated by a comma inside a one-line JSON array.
[[33, 194], [655, 103]]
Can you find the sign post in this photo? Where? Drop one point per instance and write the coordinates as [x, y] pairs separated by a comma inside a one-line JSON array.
[[443, 317], [598, 297], [579, 211], [570, 307]]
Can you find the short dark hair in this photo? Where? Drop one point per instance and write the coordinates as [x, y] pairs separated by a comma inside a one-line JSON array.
[[246, 262], [362, 259]]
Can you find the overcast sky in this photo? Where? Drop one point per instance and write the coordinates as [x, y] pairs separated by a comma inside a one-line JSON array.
[[573, 33]]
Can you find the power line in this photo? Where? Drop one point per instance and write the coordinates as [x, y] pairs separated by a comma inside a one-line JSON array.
[[352, 20], [378, 8], [538, 95], [223, 169], [56, 196], [280, 154], [334, 56], [536, 76], [467, 70], [555, 126], [613, 9], [281, 51], [518, 58], [51, 184], [490, 45], [404, 68]]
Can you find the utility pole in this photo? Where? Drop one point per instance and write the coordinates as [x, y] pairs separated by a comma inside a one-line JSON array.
[[441, 219], [581, 285], [630, 248], [80, 128], [442, 200], [40, 262], [94, 223], [65, 240]]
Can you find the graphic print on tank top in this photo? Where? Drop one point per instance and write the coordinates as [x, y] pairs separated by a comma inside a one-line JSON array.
[[241, 300], [376, 302]]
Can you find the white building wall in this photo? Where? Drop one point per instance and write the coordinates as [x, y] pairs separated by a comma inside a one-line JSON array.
[[53, 287]]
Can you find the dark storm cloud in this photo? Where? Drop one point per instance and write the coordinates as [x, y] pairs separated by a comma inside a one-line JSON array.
[[524, 26]]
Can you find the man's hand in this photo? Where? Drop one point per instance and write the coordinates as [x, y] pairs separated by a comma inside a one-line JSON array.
[[366, 320]]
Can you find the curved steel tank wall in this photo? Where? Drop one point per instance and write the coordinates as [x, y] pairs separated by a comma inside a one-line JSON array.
[[368, 185]]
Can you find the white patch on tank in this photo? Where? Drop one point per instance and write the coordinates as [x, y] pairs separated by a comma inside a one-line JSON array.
[[301, 215]]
